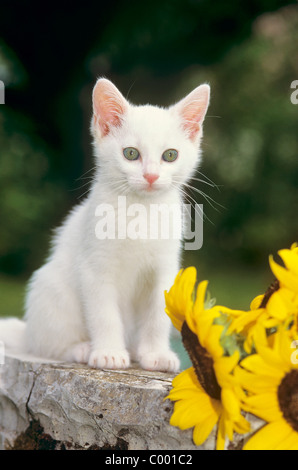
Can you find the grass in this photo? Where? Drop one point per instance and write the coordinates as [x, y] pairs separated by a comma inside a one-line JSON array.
[[235, 288], [12, 291]]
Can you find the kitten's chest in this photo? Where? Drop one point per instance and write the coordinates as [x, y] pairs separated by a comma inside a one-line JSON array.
[[136, 237]]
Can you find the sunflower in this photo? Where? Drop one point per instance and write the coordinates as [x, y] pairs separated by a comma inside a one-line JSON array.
[[278, 305], [193, 408], [282, 296], [205, 397], [207, 393], [185, 305], [270, 378], [288, 275], [179, 299], [240, 360]]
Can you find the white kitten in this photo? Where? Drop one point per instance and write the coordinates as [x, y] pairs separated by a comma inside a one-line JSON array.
[[101, 301]]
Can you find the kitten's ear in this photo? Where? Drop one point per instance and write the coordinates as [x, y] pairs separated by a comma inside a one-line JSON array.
[[108, 106], [192, 110]]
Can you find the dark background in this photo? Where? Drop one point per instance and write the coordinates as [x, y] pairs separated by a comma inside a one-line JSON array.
[[50, 57]]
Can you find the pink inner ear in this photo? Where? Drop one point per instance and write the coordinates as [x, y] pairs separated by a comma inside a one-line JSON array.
[[191, 124], [193, 109], [108, 106]]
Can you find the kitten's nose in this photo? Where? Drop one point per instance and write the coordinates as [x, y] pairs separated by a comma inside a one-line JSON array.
[[151, 177]]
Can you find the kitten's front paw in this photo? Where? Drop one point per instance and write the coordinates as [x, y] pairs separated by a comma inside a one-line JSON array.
[[109, 359], [166, 361], [78, 353]]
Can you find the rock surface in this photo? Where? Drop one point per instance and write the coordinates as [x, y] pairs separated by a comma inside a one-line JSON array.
[[69, 406]]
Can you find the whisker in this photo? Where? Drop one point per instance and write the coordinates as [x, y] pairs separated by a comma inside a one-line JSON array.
[[86, 192], [210, 180], [130, 88], [205, 182], [192, 201], [207, 198], [86, 172]]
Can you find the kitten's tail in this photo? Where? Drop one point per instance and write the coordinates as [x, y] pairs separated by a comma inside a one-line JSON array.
[[12, 334]]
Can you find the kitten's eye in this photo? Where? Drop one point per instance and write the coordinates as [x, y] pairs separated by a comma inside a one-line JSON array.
[[131, 153], [170, 155]]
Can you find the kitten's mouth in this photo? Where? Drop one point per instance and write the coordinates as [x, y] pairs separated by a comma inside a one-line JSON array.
[[150, 188], [147, 188], [153, 188]]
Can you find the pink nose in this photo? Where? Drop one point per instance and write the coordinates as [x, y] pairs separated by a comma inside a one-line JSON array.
[[151, 177]]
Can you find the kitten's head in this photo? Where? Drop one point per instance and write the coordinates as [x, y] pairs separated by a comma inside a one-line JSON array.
[[147, 149]]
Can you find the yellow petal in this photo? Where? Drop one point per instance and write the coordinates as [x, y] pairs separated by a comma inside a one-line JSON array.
[[212, 341], [186, 379], [227, 363], [188, 413], [255, 363], [259, 335], [179, 298], [193, 317], [175, 317], [268, 437], [230, 403], [228, 311], [289, 442], [223, 366], [256, 302], [247, 317], [242, 426], [256, 383], [276, 307], [290, 258], [265, 406], [294, 446], [282, 346], [201, 294], [221, 434], [203, 430], [228, 427], [272, 358], [204, 322], [182, 394], [286, 278]]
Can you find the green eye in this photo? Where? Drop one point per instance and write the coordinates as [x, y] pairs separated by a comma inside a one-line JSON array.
[[170, 155], [131, 153]]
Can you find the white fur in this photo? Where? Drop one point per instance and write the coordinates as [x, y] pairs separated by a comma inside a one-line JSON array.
[[102, 301], [12, 330]]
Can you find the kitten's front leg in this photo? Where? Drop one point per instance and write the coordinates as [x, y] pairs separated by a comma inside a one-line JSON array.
[[153, 349], [105, 327]]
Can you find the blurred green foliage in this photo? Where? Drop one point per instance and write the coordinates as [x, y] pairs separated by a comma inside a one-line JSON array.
[[252, 149], [12, 294], [155, 52]]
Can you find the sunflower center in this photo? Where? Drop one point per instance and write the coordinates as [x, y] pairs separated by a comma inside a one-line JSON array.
[[202, 362], [288, 398], [271, 289]]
